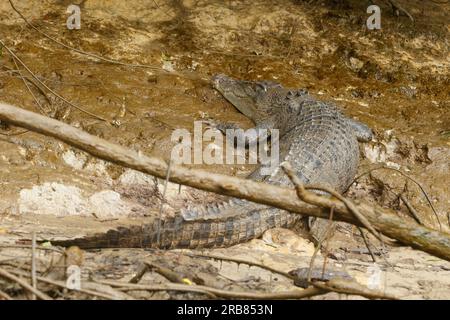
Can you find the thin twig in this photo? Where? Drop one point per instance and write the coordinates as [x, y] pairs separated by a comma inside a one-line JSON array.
[[366, 242], [411, 209], [409, 178], [31, 80], [47, 87], [7, 275], [352, 287], [239, 261], [328, 238], [163, 199], [325, 236], [33, 263], [63, 285], [27, 246], [28, 87], [314, 198], [12, 134], [157, 6], [396, 6]]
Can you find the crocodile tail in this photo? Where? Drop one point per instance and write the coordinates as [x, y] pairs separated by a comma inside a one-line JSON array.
[[179, 233]]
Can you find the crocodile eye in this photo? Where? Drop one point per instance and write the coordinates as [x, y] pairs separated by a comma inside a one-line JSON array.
[[262, 86], [302, 92]]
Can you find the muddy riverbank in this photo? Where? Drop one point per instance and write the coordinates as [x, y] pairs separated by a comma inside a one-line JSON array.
[[395, 79]]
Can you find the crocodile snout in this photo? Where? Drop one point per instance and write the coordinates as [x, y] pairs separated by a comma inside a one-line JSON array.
[[219, 80]]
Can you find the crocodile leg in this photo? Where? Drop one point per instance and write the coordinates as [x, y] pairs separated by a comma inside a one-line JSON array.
[[362, 132]]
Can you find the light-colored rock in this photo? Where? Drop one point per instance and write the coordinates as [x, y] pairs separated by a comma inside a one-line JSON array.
[[66, 200], [53, 198]]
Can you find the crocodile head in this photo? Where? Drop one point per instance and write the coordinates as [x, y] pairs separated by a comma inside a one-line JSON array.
[[248, 97]]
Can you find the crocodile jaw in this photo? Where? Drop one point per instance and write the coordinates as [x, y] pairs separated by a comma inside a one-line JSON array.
[[241, 94]]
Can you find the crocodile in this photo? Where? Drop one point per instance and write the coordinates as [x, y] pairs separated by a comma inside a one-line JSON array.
[[319, 142]]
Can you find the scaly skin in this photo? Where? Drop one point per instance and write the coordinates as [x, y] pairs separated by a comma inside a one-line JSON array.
[[318, 141]]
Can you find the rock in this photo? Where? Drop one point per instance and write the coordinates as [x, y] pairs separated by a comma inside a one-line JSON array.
[[67, 200], [53, 198], [356, 64]]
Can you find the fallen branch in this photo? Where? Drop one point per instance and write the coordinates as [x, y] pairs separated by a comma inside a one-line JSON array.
[[383, 220], [142, 270], [293, 294], [63, 285], [5, 296], [7, 275], [239, 261]]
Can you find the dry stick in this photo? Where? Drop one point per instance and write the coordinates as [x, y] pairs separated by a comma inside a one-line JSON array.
[[5, 296], [325, 236], [409, 178], [25, 246], [170, 275], [47, 87], [47, 80], [303, 195], [397, 7], [340, 285], [12, 134], [33, 263], [366, 242], [63, 285], [327, 243], [31, 80], [7, 275], [239, 261], [384, 220], [166, 182], [301, 192], [92, 55], [411, 209], [291, 35], [294, 294], [160, 9], [142, 270], [28, 87]]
